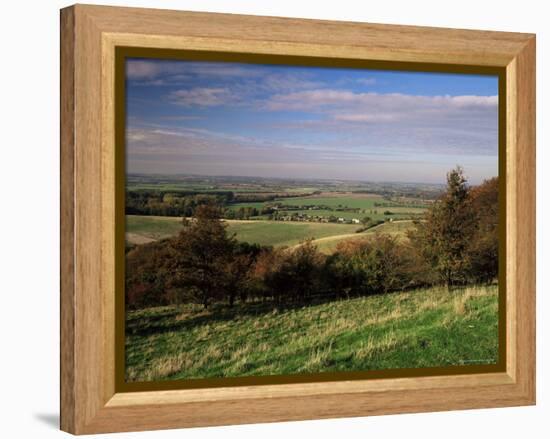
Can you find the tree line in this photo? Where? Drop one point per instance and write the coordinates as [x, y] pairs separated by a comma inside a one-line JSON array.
[[456, 243], [182, 203], [185, 202]]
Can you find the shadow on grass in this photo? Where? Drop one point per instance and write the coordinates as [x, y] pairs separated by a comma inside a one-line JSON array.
[[165, 320]]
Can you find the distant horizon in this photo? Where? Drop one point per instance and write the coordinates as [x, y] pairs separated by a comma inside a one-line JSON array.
[[443, 183], [290, 122]]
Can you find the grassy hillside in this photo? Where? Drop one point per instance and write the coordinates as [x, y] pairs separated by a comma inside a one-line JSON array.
[[422, 328], [141, 229]]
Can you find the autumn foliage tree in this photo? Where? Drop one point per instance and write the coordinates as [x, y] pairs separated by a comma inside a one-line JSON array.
[[239, 271], [146, 275], [372, 266], [444, 236], [290, 275], [200, 255], [459, 234], [483, 247]]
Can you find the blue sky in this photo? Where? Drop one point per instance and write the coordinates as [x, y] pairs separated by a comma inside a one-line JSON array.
[[206, 118]]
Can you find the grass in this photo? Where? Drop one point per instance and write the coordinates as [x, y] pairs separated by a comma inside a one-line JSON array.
[[423, 328], [153, 227], [279, 233], [142, 229]]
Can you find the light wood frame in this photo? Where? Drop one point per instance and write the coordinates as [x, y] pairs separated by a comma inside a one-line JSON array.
[[89, 36]]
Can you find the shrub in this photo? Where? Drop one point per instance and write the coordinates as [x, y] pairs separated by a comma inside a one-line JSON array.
[[146, 276], [373, 266], [294, 275]]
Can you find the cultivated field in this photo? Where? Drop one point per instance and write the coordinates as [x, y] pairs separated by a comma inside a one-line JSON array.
[[143, 229], [423, 328], [273, 212], [279, 233], [335, 204], [397, 229], [275, 233]]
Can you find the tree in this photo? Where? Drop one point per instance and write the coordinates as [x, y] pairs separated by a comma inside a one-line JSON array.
[[200, 255], [377, 265], [292, 275], [483, 248], [366, 220], [145, 275], [444, 237], [264, 265], [238, 270]]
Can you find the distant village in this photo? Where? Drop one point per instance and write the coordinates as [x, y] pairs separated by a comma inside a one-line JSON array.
[[322, 219], [306, 213]]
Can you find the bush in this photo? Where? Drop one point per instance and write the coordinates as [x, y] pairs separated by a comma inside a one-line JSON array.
[[374, 266], [294, 275], [146, 275]]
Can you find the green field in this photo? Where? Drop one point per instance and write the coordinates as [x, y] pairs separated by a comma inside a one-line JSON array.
[[360, 202], [424, 328], [141, 229], [151, 228], [364, 202], [280, 233]]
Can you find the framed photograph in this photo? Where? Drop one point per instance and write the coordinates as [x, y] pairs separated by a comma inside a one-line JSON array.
[[267, 219]]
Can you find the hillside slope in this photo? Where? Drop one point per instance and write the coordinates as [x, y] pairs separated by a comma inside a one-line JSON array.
[[423, 328]]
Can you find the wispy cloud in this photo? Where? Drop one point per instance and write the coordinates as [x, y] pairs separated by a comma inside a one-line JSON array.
[[245, 80], [196, 152], [366, 81], [245, 119], [178, 70], [136, 69], [179, 118], [342, 100], [381, 117], [202, 97]]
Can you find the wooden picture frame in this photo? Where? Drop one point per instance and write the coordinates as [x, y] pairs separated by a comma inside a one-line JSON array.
[[90, 36]]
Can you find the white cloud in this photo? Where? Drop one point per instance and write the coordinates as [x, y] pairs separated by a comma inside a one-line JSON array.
[[202, 96], [281, 81], [340, 129], [310, 100], [472, 101], [323, 99], [381, 117], [158, 72], [180, 118], [448, 124], [137, 69], [366, 81], [209, 153], [444, 124]]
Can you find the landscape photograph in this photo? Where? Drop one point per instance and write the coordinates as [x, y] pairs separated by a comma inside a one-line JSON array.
[[290, 220]]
